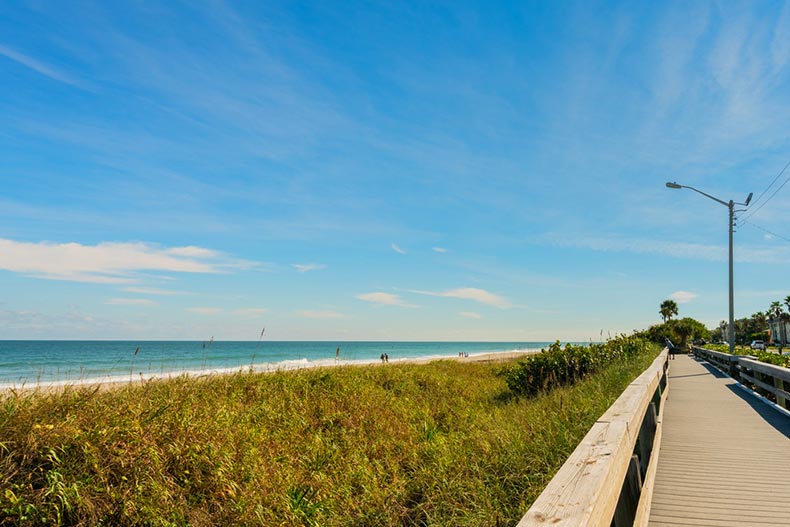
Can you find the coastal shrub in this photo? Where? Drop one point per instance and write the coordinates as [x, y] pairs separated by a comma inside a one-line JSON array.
[[558, 366], [762, 355], [388, 445], [680, 332]]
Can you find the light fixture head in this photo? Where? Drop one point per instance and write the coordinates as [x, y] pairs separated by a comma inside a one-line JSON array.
[[673, 185], [748, 199]]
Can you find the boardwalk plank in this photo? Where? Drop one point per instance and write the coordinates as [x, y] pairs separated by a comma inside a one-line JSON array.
[[724, 455]]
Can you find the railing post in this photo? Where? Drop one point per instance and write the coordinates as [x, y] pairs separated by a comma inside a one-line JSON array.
[[780, 400], [647, 434], [625, 512]]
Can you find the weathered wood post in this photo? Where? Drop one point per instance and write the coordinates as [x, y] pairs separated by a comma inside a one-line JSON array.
[[647, 434], [625, 512]]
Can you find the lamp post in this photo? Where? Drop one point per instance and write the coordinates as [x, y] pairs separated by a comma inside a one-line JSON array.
[[730, 205]]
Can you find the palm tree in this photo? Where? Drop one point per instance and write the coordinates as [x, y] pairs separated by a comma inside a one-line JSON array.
[[777, 315], [723, 330], [757, 324], [668, 309]]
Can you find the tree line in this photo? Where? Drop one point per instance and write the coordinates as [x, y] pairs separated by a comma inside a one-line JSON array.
[[687, 330]]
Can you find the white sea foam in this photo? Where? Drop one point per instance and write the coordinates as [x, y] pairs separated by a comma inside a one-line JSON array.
[[259, 367]]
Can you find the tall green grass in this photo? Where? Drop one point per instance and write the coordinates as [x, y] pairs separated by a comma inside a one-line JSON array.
[[443, 443]]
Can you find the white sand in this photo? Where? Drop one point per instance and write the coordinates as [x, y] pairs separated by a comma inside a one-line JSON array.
[[116, 381]]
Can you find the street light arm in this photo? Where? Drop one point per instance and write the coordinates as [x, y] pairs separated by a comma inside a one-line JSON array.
[[706, 195], [730, 205]]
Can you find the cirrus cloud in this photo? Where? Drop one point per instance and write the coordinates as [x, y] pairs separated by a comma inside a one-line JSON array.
[[471, 293], [153, 291], [251, 312], [129, 302], [303, 268], [109, 262], [683, 297], [387, 299], [320, 314], [204, 310]]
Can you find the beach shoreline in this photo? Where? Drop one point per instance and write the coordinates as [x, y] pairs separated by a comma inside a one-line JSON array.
[[118, 381]]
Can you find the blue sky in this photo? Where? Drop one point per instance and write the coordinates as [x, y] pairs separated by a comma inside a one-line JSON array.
[[396, 171]]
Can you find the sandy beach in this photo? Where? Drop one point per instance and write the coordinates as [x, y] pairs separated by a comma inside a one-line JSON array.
[[116, 382]]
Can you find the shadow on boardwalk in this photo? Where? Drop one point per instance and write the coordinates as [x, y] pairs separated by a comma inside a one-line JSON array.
[[773, 417], [723, 456]]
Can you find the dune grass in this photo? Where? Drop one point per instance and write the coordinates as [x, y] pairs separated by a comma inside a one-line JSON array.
[[434, 444]]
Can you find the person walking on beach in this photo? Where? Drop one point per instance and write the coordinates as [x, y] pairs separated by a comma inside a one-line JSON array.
[[337, 353]]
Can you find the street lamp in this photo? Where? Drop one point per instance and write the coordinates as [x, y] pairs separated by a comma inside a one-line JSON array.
[[730, 205]]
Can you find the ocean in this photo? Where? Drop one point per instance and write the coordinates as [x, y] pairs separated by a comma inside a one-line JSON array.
[[25, 363]]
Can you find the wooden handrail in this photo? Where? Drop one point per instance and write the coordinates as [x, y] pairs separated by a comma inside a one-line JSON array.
[[724, 361], [763, 377], [607, 480]]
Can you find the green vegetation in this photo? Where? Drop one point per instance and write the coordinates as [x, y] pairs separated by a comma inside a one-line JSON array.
[[755, 327], [558, 366], [668, 309], [438, 444], [761, 355], [680, 332]]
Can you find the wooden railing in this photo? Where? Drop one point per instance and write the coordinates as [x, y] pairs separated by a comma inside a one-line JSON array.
[[608, 480], [766, 379], [723, 361]]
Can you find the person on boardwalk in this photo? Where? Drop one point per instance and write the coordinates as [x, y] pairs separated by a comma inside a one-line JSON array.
[[672, 349]]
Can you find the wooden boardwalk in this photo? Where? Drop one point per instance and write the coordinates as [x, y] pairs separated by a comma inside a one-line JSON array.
[[724, 457]]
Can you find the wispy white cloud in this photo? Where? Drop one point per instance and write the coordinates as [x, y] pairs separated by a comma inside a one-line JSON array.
[[251, 312], [440, 249], [129, 302], [303, 268], [73, 323], [320, 314], [387, 299], [469, 314], [397, 249], [204, 310], [108, 262], [683, 297], [41, 68], [471, 293], [193, 252], [153, 291], [692, 251]]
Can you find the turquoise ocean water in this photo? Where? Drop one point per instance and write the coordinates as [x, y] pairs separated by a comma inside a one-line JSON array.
[[35, 362]]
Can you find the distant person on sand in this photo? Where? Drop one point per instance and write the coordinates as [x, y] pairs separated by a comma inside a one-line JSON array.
[[386, 358], [382, 357], [337, 353]]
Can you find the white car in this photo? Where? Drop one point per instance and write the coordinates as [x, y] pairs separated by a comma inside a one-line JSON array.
[[758, 345]]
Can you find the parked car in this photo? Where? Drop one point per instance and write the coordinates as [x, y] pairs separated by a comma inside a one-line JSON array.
[[758, 345]]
